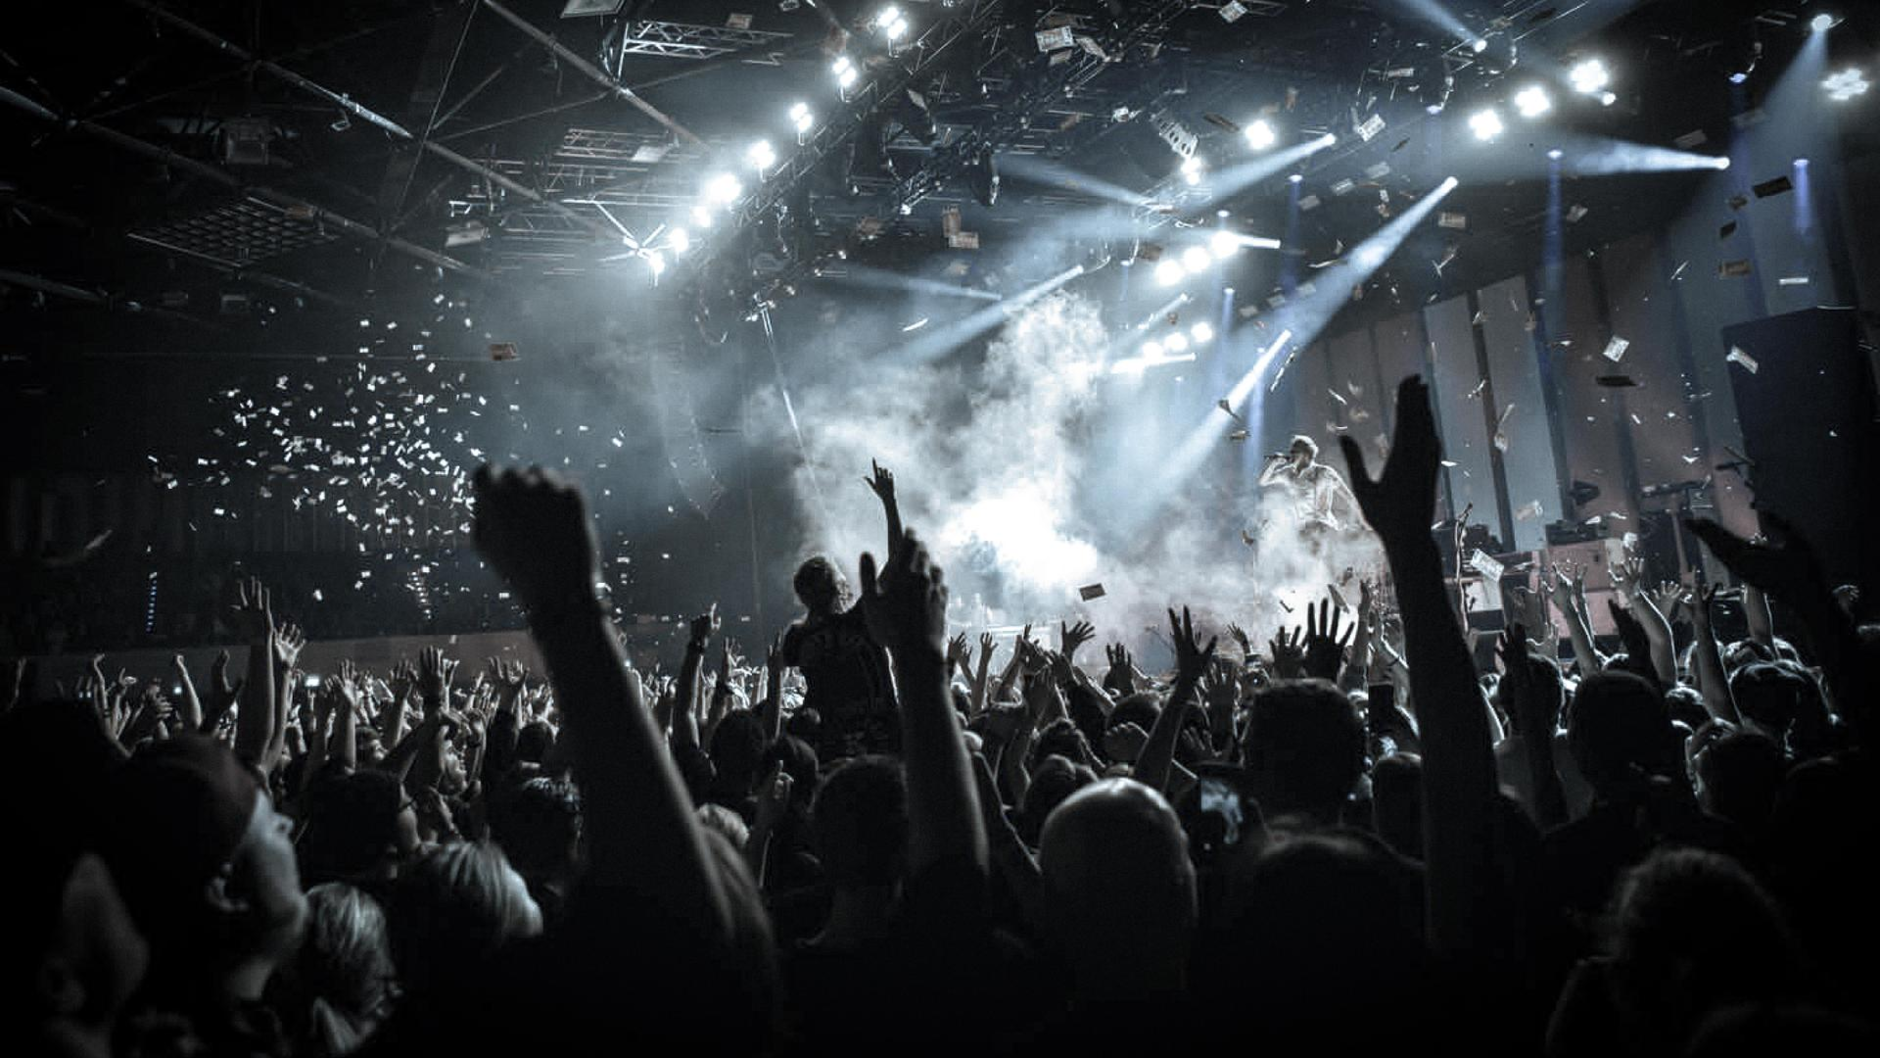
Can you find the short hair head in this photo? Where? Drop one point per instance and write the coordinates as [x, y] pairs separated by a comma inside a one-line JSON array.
[[1300, 441], [859, 823], [1304, 747], [820, 585]]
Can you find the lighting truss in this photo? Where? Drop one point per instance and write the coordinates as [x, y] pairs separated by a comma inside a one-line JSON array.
[[678, 40], [237, 234]]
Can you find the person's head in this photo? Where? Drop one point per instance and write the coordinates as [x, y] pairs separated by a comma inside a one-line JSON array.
[[859, 824], [70, 955], [534, 742], [454, 908], [1619, 731], [737, 744], [346, 959], [1544, 674], [805, 724], [538, 825], [1685, 706], [1053, 780], [726, 823], [205, 864], [1738, 777], [1304, 749], [1397, 803], [1691, 932], [1770, 694], [821, 586], [360, 825], [1302, 451], [1061, 738], [1120, 888]]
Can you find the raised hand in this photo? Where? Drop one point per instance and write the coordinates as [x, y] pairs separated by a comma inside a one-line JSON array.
[[706, 625], [958, 652], [1783, 567], [253, 610], [1240, 636], [1325, 651], [1074, 636], [1698, 601], [404, 679], [1191, 658], [287, 644], [881, 483], [987, 645], [1122, 674], [434, 674], [905, 602], [534, 529], [1289, 654], [773, 799], [1400, 503]]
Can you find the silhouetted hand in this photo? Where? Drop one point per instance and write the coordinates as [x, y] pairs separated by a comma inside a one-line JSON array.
[[1191, 658], [1289, 655], [434, 674], [905, 602], [1400, 503], [254, 611], [1074, 636], [882, 482], [706, 625], [1122, 674], [1784, 567], [534, 529], [1325, 651]]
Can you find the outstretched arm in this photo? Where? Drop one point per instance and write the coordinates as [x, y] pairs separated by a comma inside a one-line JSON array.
[[641, 835], [1458, 761], [882, 485], [1274, 473]]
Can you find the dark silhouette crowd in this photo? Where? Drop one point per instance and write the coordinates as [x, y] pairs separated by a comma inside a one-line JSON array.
[[873, 838]]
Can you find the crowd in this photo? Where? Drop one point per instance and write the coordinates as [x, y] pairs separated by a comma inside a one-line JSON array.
[[873, 837]]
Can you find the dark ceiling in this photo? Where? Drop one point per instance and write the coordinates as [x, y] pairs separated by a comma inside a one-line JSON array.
[[197, 167]]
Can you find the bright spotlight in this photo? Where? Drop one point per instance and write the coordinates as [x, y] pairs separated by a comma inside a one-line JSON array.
[[1224, 244], [679, 239], [761, 155], [1823, 23], [801, 117], [1532, 101], [657, 262], [1152, 349], [701, 216], [1196, 260], [1296, 178], [1327, 140], [1607, 99], [1191, 170], [1554, 154], [1588, 76], [722, 189], [1201, 333], [1168, 272], [845, 71], [1479, 45], [1721, 163], [1486, 124], [890, 23], [1448, 185], [1260, 135], [1845, 85], [1176, 343]]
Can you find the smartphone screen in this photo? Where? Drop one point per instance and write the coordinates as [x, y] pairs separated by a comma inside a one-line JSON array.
[[1223, 800]]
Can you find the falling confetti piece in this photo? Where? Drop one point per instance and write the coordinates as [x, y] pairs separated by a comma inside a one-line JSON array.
[[1615, 349]]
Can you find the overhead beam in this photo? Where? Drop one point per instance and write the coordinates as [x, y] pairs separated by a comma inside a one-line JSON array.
[[448, 33]]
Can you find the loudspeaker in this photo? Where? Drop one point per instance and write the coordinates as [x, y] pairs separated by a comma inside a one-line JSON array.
[[1807, 414]]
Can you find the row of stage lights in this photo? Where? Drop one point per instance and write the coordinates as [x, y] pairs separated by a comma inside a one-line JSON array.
[[1589, 77], [1193, 261], [722, 190]]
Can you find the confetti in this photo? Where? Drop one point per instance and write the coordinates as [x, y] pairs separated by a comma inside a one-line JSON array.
[[1615, 381], [1729, 269], [1091, 591], [1575, 213], [1770, 188], [1742, 359], [1615, 349], [1792, 281]]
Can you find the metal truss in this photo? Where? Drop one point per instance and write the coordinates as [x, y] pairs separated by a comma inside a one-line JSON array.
[[237, 234], [678, 40]]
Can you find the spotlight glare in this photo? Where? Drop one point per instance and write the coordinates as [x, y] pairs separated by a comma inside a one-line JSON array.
[[1722, 163], [801, 117], [1327, 140], [1168, 272], [1845, 85], [761, 155], [1607, 99], [1260, 135], [1191, 170], [722, 189], [1532, 101], [1822, 23], [701, 216], [1554, 154], [1224, 244], [1486, 124], [1448, 185], [657, 262], [1201, 333], [846, 74], [1176, 343], [1151, 349], [1479, 45], [680, 240], [1196, 260], [1296, 178], [1588, 76]]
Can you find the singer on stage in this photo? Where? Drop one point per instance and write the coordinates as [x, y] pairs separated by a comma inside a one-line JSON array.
[[1323, 505]]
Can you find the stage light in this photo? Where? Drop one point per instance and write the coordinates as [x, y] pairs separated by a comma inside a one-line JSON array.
[[1722, 162], [1498, 51], [701, 216], [1823, 23], [1588, 76], [1191, 170], [1327, 140], [1260, 135], [846, 73], [1478, 45], [1486, 124], [1176, 343], [722, 189], [1296, 178], [1532, 101], [890, 23], [1224, 244], [1196, 260], [679, 240], [1168, 272], [1554, 154], [801, 117], [656, 261], [1201, 333], [1151, 349], [1845, 85], [761, 155], [1607, 99]]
